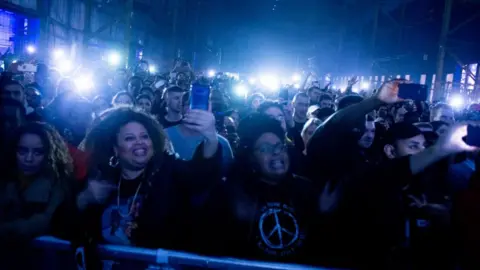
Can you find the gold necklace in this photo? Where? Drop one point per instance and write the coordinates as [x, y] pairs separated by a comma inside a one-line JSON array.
[[133, 201]]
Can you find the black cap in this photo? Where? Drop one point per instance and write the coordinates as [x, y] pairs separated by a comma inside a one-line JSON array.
[[401, 131]]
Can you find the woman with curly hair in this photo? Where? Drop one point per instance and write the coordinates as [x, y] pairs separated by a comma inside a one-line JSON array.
[[37, 173], [138, 193]]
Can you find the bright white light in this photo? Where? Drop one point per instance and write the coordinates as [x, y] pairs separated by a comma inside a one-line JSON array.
[[457, 101], [296, 77], [355, 89], [241, 90], [252, 80], [31, 49], [297, 86], [65, 66], [365, 85], [211, 73], [114, 59], [14, 61], [152, 69], [58, 53], [270, 81], [84, 82]]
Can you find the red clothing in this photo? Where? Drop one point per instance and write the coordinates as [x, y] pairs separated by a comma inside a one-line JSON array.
[[80, 162]]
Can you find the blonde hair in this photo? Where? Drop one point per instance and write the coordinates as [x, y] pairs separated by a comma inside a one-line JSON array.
[[311, 121]]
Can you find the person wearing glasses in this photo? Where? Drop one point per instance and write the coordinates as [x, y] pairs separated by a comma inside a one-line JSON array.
[[263, 211]]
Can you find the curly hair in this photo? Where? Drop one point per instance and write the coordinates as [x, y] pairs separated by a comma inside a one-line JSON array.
[[59, 163], [101, 139]]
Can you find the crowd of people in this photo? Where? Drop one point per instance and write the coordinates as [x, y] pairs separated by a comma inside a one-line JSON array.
[[312, 176]]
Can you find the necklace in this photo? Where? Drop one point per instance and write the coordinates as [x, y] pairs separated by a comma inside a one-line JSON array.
[[133, 201]]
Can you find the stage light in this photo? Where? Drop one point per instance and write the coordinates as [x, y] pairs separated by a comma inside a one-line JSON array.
[[114, 59], [84, 82], [270, 81], [252, 80], [457, 101], [211, 73], [31, 49], [296, 77], [152, 69], [58, 53], [65, 66], [365, 85], [241, 90]]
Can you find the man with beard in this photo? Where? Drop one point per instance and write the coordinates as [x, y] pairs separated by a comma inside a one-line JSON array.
[[173, 106]]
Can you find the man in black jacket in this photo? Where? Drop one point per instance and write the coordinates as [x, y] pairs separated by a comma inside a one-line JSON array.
[[364, 232]]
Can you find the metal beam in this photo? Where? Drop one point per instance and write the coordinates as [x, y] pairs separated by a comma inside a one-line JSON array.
[[87, 23], [460, 63], [102, 28], [128, 31], [389, 16], [462, 24], [447, 14]]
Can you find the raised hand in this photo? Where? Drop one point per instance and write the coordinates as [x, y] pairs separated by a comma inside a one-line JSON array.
[[201, 121], [353, 81], [452, 142], [388, 92], [288, 111]]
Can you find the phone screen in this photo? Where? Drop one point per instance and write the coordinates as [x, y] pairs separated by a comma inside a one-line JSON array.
[[200, 97], [473, 136], [412, 91]]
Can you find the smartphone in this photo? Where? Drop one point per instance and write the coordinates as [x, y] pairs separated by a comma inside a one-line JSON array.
[[413, 91], [27, 68], [473, 136], [200, 97]]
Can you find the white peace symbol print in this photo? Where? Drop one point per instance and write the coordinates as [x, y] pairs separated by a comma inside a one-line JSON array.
[[284, 238]]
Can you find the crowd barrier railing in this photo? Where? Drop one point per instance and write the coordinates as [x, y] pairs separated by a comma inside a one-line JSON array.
[[162, 257]]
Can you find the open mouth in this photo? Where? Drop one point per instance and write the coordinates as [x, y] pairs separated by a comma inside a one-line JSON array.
[[277, 164], [140, 151]]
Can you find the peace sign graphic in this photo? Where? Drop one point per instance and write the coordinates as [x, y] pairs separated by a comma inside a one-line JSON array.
[[278, 228]]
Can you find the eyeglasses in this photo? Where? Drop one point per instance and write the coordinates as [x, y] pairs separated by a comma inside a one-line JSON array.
[[271, 149]]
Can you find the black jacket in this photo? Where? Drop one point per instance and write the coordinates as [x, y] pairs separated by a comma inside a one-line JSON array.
[[163, 220]]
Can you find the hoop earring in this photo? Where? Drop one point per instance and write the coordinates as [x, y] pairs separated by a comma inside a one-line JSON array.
[[113, 162]]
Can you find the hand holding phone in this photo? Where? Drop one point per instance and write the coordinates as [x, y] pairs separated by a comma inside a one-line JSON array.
[[412, 91], [200, 97]]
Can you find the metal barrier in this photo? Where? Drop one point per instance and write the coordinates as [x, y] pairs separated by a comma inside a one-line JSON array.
[[151, 259]]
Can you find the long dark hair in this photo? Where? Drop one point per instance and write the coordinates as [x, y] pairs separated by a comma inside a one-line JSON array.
[[102, 137], [58, 163]]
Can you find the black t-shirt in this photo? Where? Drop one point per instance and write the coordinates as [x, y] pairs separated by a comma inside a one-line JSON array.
[[119, 219], [272, 223], [299, 126], [166, 124]]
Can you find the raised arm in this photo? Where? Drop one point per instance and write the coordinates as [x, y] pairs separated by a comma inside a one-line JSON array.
[[326, 147]]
